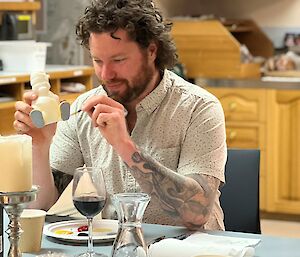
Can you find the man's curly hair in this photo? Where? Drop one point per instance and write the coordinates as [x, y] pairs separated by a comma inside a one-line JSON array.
[[140, 18]]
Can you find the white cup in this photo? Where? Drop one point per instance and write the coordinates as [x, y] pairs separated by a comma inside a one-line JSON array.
[[32, 223]]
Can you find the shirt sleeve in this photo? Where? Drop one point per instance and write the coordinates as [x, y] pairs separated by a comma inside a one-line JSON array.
[[204, 148]]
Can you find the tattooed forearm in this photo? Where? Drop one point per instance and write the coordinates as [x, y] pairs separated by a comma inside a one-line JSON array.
[[189, 198]]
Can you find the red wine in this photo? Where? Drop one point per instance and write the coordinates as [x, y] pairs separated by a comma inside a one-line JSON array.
[[89, 206]]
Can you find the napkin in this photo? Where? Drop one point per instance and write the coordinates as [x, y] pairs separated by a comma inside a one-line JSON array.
[[84, 183], [203, 244], [64, 205]]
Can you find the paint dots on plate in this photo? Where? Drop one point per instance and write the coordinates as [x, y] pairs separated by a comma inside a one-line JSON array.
[[63, 232]]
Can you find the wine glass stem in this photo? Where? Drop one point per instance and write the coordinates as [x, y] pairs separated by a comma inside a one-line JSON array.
[[90, 240]]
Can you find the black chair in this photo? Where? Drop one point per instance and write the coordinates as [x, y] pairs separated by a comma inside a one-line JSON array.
[[240, 194]]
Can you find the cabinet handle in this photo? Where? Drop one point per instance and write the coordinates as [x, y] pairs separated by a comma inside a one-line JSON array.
[[232, 106], [232, 135]]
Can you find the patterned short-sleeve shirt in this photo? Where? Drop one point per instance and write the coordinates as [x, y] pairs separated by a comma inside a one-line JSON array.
[[179, 124]]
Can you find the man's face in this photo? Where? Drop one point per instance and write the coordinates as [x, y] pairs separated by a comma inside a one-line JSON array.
[[123, 68]]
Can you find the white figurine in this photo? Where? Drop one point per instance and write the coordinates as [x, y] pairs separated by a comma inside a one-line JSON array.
[[46, 108]]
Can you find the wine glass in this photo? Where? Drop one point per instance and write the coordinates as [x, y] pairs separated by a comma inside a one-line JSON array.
[[89, 198]]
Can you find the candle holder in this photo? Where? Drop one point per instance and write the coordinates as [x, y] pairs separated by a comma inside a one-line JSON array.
[[14, 203]]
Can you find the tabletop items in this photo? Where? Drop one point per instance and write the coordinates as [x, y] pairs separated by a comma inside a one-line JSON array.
[[75, 231], [269, 246], [89, 198], [203, 244], [32, 223], [130, 240], [15, 163], [14, 203], [16, 189]]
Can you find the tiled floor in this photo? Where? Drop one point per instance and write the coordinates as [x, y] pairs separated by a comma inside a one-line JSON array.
[[280, 228]]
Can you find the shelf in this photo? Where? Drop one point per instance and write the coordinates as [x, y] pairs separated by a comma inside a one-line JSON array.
[[69, 97], [55, 71], [8, 104], [65, 71], [238, 28], [248, 33], [6, 79], [286, 74], [20, 6], [295, 48]]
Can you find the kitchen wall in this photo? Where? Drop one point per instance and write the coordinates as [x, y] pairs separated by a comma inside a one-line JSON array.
[[61, 19], [275, 17]]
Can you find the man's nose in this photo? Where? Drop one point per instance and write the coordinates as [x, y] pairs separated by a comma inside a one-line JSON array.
[[107, 72]]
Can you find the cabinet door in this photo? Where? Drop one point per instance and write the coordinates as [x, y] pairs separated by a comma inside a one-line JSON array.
[[241, 104], [239, 136], [284, 151], [245, 115]]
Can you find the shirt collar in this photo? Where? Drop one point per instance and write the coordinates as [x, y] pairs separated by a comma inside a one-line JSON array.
[[154, 99]]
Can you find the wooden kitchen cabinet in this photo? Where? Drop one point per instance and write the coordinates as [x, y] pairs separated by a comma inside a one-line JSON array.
[[13, 85], [284, 151], [210, 49], [267, 119], [245, 115]]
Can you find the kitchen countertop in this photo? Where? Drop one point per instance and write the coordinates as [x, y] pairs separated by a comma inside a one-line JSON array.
[[266, 82], [49, 68], [55, 71]]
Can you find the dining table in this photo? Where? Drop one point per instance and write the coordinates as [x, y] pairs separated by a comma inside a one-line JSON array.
[[269, 246]]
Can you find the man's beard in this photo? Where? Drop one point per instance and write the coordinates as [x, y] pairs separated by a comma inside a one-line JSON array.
[[133, 89]]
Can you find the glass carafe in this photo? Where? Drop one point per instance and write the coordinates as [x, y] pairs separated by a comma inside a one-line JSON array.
[[130, 240]]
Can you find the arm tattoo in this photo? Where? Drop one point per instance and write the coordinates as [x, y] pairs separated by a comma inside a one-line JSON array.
[[189, 198]]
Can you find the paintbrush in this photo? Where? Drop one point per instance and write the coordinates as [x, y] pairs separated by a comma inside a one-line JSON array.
[[78, 111], [111, 96]]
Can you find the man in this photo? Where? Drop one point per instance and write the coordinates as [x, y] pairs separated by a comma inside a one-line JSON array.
[[171, 144]]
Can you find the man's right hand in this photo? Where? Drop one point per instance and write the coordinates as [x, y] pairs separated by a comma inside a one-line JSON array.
[[24, 125]]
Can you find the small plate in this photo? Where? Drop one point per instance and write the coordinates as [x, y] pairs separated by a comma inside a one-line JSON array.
[[104, 230]]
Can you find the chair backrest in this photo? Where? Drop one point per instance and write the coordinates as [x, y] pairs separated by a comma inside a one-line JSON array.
[[240, 194]]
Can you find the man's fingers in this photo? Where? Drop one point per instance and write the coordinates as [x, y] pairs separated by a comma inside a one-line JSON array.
[[20, 127], [103, 119], [29, 96], [23, 107], [23, 117]]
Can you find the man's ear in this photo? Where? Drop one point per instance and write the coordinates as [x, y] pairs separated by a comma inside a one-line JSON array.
[[152, 51]]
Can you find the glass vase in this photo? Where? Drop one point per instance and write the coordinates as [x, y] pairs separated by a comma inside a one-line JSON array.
[[130, 240]]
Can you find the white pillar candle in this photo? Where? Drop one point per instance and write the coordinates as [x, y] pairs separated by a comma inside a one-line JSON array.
[[15, 163]]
